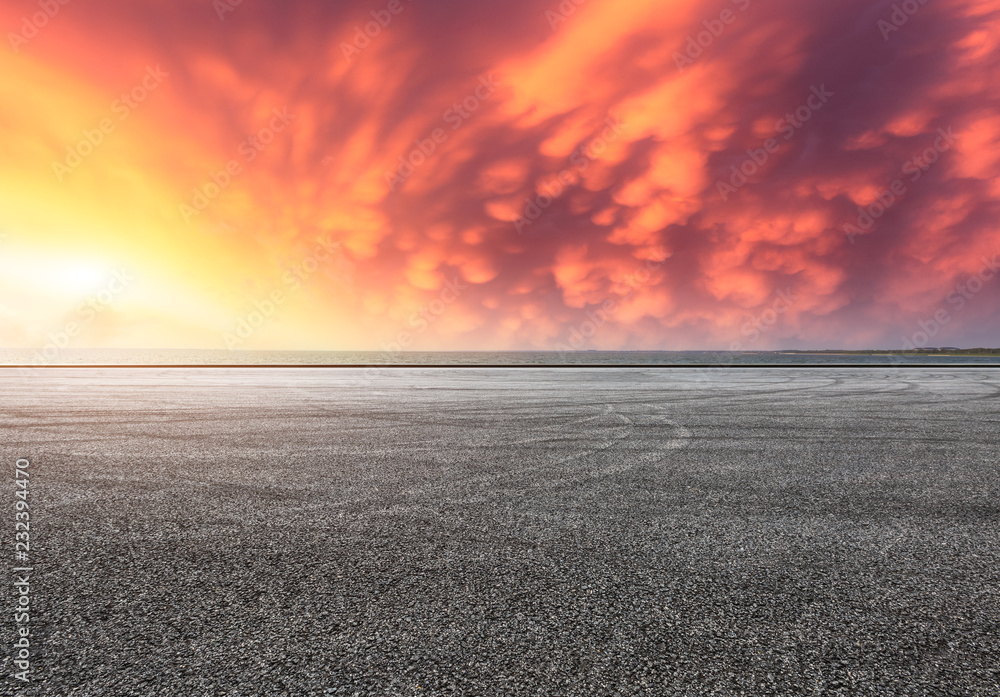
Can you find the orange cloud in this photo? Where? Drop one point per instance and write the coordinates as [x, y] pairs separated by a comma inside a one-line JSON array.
[[537, 164]]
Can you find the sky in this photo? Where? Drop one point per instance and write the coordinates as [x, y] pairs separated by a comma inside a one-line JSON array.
[[533, 174]]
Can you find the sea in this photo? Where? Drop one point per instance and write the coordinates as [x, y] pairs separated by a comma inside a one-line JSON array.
[[139, 357]]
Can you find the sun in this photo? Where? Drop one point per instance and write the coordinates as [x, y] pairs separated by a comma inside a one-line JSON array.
[[55, 278]]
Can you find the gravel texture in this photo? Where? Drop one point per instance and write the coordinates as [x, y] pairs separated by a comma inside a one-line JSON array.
[[508, 532]]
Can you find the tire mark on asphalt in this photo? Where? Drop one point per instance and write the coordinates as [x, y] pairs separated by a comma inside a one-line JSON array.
[[608, 437]]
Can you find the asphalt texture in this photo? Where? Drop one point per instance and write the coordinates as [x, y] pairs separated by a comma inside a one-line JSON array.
[[507, 532]]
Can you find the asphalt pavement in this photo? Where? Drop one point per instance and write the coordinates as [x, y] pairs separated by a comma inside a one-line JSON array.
[[507, 532]]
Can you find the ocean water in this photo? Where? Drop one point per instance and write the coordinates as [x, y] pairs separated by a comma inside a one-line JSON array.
[[22, 357]]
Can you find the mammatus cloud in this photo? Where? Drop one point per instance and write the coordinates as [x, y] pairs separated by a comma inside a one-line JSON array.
[[447, 176]]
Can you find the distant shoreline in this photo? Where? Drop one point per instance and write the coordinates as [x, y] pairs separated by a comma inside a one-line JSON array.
[[944, 356], [884, 352]]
